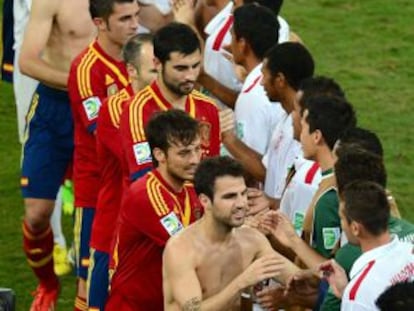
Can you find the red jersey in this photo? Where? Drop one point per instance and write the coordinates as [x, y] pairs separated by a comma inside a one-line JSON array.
[[110, 159], [151, 212], [93, 76], [139, 111]]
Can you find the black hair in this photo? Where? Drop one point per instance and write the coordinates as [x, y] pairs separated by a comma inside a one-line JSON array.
[[258, 26], [170, 127], [273, 5], [175, 37], [331, 115], [293, 60], [104, 8], [397, 297], [365, 138], [212, 168], [366, 203]]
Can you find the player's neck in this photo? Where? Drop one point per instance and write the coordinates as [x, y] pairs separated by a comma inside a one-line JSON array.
[[287, 99], [110, 48], [174, 183], [250, 62], [371, 242], [325, 158], [216, 232]]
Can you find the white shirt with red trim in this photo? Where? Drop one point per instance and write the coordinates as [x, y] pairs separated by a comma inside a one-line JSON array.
[[218, 33], [300, 190], [256, 116], [376, 270], [281, 153]]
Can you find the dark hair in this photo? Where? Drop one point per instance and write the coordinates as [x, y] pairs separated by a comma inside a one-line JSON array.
[[104, 8], [291, 59], [366, 202], [169, 127], [132, 49], [331, 115], [175, 37], [355, 163], [212, 168], [366, 139], [273, 5], [319, 85], [258, 26], [398, 297]]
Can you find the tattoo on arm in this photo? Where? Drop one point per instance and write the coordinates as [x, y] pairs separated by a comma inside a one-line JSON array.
[[194, 304]]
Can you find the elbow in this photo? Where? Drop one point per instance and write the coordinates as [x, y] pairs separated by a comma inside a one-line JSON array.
[[24, 64]]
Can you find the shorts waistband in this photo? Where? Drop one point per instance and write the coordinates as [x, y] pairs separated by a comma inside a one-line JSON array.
[[56, 93]]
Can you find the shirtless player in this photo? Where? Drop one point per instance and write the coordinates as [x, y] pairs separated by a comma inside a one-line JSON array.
[[209, 264], [57, 31]]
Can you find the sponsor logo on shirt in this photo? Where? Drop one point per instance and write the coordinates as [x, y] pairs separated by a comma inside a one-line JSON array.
[[142, 153], [91, 106], [171, 223], [298, 219], [331, 236]]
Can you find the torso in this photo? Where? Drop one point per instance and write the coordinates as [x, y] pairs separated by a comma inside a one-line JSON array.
[[72, 31]]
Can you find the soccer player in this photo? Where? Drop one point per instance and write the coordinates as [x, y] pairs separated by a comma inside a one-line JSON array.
[[95, 74], [56, 32], [178, 59], [138, 55], [155, 207], [210, 263], [254, 32], [385, 261], [324, 120]]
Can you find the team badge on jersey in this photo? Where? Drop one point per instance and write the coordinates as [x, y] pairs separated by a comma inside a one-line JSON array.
[[172, 224], [142, 153], [111, 90], [205, 133], [331, 236], [91, 107]]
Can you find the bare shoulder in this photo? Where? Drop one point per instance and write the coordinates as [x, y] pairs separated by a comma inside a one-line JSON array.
[[182, 244], [42, 8]]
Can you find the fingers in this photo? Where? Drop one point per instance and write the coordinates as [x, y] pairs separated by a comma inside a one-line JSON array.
[[227, 120]]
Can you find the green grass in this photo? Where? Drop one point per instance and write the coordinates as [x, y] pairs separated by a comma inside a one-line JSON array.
[[366, 46]]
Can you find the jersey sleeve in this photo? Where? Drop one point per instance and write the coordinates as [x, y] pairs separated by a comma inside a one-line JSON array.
[[154, 220], [87, 92], [135, 147], [327, 227]]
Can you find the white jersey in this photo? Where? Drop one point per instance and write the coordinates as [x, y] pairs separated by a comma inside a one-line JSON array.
[[281, 153], [300, 190], [164, 6], [21, 13], [256, 116], [376, 270], [218, 34]]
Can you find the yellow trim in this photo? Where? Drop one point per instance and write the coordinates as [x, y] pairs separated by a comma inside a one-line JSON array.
[[135, 115], [152, 195], [192, 107], [157, 100], [115, 69], [85, 262], [83, 75], [81, 304], [90, 270], [76, 234], [40, 263], [8, 67], [29, 116]]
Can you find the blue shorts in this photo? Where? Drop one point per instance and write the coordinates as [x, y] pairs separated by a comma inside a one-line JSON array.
[[48, 143], [81, 238], [98, 280]]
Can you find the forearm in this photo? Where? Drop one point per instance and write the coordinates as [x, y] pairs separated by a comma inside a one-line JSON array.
[[40, 70], [250, 159], [306, 254], [223, 93], [225, 298]]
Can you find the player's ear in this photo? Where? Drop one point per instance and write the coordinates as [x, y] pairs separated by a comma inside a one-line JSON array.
[[355, 228], [100, 23], [157, 64], [159, 155], [204, 200], [132, 72]]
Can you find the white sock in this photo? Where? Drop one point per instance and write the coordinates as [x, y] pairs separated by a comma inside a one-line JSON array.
[[56, 222]]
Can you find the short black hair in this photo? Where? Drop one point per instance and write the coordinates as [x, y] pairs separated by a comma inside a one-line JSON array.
[[212, 168], [104, 8], [258, 26], [175, 37], [293, 60], [397, 297], [366, 202], [273, 5], [331, 115], [355, 163], [319, 85], [169, 127], [367, 139]]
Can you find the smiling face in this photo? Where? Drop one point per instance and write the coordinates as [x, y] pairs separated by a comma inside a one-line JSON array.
[[180, 72], [229, 204]]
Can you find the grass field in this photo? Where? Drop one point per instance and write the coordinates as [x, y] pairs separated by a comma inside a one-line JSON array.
[[367, 46]]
